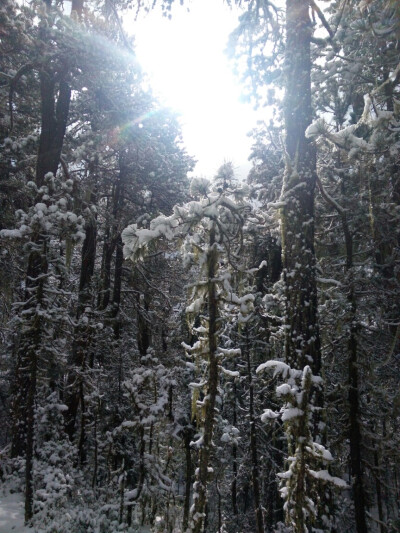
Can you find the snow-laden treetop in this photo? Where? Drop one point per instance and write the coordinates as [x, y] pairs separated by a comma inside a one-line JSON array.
[[226, 212]]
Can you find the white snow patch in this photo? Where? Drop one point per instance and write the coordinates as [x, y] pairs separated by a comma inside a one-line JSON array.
[[269, 415], [325, 476], [12, 514], [291, 412], [278, 366], [230, 373]]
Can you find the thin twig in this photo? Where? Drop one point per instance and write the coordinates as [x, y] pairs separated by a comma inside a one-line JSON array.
[[121, 29]]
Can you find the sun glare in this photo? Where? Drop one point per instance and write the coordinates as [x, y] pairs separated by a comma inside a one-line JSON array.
[[188, 70]]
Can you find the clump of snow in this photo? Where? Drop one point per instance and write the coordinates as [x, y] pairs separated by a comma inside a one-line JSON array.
[[268, 414], [279, 368], [230, 373], [291, 412], [316, 128], [324, 475]]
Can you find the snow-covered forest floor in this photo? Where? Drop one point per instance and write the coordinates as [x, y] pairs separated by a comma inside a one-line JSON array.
[[12, 514]]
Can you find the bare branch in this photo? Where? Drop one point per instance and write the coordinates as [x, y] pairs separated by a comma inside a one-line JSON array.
[[322, 18], [329, 198]]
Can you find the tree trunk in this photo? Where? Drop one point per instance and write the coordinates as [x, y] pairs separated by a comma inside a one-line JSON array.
[[105, 274], [54, 117], [54, 124], [188, 435], [144, 332], [113, 237], [355, 431], [28, 358], [200, 485], [81, 338], [234, 458], [253, 447], [356, 466], [302, 342], [355, 438], [116, 300]]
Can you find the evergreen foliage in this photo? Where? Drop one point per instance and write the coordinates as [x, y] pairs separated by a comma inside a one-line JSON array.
[[240, 372]]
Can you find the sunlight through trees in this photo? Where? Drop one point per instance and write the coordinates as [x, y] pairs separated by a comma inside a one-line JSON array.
[[200, 354]]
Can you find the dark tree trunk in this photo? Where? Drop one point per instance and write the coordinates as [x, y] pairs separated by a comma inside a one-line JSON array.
[[113, 237], [119, 260], [26, 377], [54, 116], [144, 333], [379, 500], [105, 274], [87, 264], [302, 342], [354, 414], [81, 342], [54, 124], [54, 121], [356, 465], [253, 446], [234, 458], [188, 435]]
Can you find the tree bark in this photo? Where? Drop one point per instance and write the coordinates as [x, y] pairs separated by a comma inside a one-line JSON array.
[[302, 342], [356, 465], [234, 458], [188, 435], [116, 300], [81, 338], [253, 447], [200, 485], [54, 117], [113, 237], [28, 359], [54, 124], [354, 414]]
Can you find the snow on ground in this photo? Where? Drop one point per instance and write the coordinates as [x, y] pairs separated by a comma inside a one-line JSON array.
[[12, 514]]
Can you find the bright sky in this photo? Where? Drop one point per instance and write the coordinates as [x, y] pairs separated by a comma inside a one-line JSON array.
[[189, 71]]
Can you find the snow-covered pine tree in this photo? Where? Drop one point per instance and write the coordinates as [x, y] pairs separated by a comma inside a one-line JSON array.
[[211, 232]]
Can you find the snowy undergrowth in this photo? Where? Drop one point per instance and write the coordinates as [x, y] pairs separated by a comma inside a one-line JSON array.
[[64, 503], [12, 513], [85, 516]]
